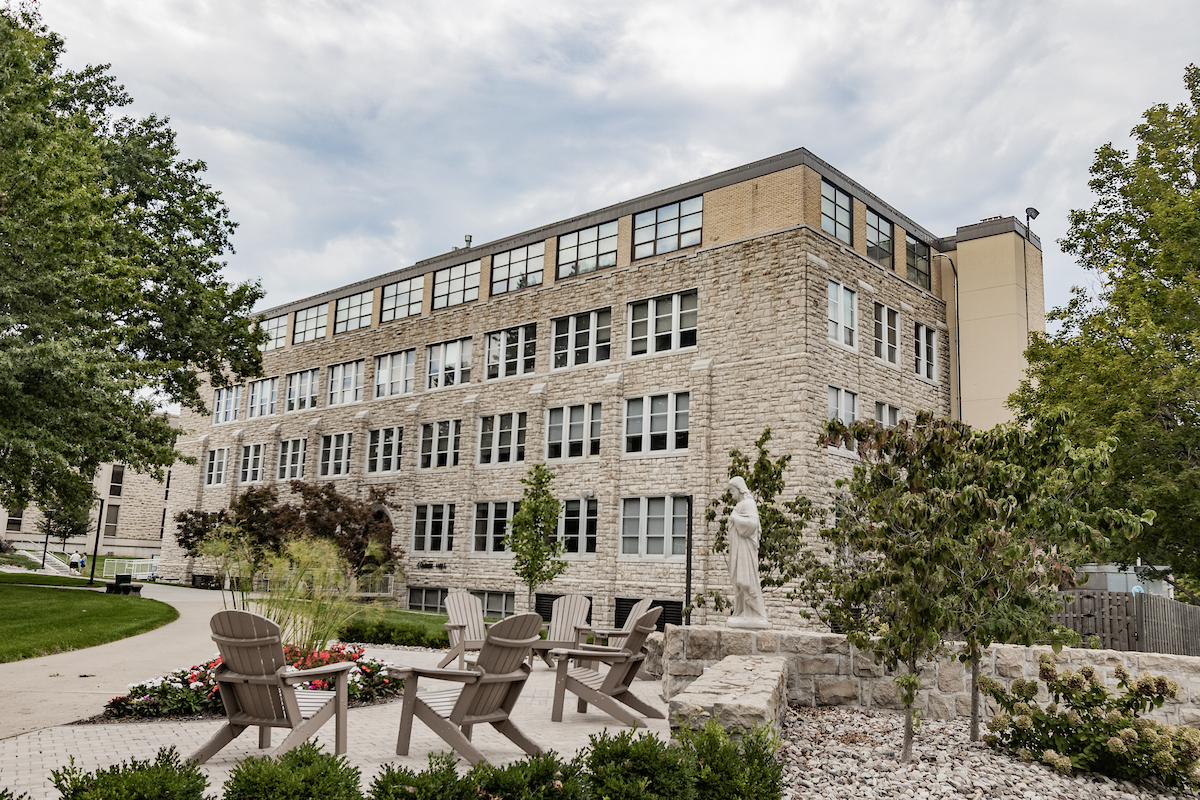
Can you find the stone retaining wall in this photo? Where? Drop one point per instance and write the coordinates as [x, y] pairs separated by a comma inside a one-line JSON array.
[[740, 692], [826, 670]]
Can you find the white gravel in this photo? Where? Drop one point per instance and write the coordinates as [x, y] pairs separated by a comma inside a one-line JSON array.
[[843, 753]]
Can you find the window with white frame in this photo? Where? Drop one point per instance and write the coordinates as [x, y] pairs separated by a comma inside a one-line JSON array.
[[577, 526], [16, 516], [335, 454], [842, 314], [421, 598], [310, 323], [353, 312], [291, 459], [439, 443], [252, 463], [302, 390], [573, 431], [491, 525], [886, 414], [879, 239], [346, 382], [116, 480], [887, 333], [433, 529], [449, 363], [502, 438], [225, 407], [276, 328], [384, 448], [917, 256], [496, 604], [402, 299], [657, 423], [111, 515], [587, 250], [843, 405], [663, 323], [214, 474], [668, 228], [263, 395], [654, 527], [582, 338], [395, 373], [925, 341], [454, 285], [512, 351], [518, 268], [835, 212]]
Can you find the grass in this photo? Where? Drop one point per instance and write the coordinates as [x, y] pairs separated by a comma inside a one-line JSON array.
[[433, 623], [42, 580], [19, 560], [38, 622]]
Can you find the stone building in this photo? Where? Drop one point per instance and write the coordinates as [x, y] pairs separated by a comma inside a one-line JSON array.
[[630, 349]]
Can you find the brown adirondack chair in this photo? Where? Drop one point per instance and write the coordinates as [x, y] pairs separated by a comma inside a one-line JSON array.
[[258, 687], [607, 691], [465, 628], [615, 637], [568, 626], [492, 685]]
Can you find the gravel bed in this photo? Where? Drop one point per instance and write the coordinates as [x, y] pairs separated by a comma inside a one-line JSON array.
[[844, 753], [409, 647]]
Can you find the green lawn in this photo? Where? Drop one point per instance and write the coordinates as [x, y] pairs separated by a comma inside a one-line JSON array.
[[39, 622], [434, 623], [19, 560], [43, 580]]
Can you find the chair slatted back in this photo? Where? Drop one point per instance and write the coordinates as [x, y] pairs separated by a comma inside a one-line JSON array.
[[621, 675], [567, 612], [251, 645], [505, 650], [635, 613], [465, 608]]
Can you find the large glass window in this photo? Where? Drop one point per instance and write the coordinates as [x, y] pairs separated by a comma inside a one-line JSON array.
[[353, 312], [573, 431], [502, 438], [449, 363], [887, 415], [518, 268], [402, 299], [291, 459], [835, 212], [439, 443], [346, 382], [918, 261], [582, 338], [496, 604], [252, 463], [276, 328], [655, 527], [587, 250], [425, 599], [843, 405], [577, 525], [925, 342], [16, 516], [433, 530], [335, 454], [384, 448], [663, 323], [842, 314], [263, 395], [214, 474], [395, 373], [454, 285], [657, 423], [668, 228], [226, 404], [116, 480], [491, 525], [111, 515], [310, 323], [512, 351], [879, 238], [887, 335], [302, 390]]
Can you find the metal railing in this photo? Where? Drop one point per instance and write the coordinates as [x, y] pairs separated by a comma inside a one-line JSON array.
[[142, 569]]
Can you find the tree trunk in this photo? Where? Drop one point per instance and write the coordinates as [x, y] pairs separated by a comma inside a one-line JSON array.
[[906, 751], [975, 695]]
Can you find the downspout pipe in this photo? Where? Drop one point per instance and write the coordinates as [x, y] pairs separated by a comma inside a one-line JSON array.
[[957, 333]]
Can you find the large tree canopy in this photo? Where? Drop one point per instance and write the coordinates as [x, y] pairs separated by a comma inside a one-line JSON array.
[[111, 295], [1127, 359]]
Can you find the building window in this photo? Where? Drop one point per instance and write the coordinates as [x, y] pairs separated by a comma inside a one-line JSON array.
[[449, 363], [225, 408], [518, 268], [647, 523], [302, 390], [454, 285], [291, 459], [491, 525], [587, 250], [424, 599], [843, 405], [925, 339], [842, 314], [502, 438], [402, 299], [512, 351], [262, 397], [439, 443], [918, 261], [835, 212], [656, 424], [15, 517], [673, 317], [353, 312], [276, 328], [310, 324], [335, 454], [252, 463], [668, 228], [384, 448], [111, 515], [577, 526], [582, 338], [395, 373], [116, 481], [887, 415], [215, 473], [346, 383], [434, 528], [497, 604], [887, 336], [879, 239], [573, 431]]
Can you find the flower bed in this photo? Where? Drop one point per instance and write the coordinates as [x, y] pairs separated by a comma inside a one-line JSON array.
[[186, 692]]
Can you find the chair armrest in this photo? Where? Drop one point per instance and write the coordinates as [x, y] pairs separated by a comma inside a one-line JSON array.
[[228, 676], [306, 675], [459, 675], [455, 625], [609, 655], [608, 631]]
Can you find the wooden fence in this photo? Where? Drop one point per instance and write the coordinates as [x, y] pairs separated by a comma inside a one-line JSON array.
[[1133, 621]]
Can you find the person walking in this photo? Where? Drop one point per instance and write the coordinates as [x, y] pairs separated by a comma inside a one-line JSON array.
[[74, 561], [82, 562]]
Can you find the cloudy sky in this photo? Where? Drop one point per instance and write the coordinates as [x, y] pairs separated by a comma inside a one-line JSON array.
[[353, 137]]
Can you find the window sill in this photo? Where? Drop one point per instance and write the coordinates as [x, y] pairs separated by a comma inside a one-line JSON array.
[[427, 470], [500, 465], [682, 453], [930, 381], [883, 362], [690, 349], [840, 346], [589, 364], [842, 452], [630, 558]]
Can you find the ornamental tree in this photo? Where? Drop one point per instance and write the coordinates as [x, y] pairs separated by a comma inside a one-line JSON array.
[[533, 533]]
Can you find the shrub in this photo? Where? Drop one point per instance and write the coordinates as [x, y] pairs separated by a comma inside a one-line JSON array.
[[625, 767], [305, 773], [536, 777], [380, 631], [439, 782], [165, 778], [726, 769], [6, 794], [1087, 727]]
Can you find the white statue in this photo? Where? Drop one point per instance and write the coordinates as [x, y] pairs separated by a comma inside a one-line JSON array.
[[749, 610]]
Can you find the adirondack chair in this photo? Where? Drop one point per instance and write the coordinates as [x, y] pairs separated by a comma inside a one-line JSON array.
[[257, 687], [607, 691], [568, 626], [491, 688], [616, 636], [465, 627]]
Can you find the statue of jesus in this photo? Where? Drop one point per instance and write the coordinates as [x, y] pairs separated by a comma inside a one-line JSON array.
[[749, 610]]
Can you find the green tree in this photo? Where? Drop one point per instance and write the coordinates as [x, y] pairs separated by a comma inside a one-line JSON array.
[[64, 524], [533, 534], [111, 297], [1126, 359]]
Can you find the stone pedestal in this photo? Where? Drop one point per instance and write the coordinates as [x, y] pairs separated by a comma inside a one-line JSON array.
[[739, 692]]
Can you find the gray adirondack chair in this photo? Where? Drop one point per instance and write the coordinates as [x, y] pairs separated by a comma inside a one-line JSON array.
[[607, 691], [615, 637], [491, 688], [465, 628], [258, 687], [568, 626]]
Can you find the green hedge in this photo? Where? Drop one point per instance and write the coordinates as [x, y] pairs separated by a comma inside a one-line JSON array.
[[367, 630]]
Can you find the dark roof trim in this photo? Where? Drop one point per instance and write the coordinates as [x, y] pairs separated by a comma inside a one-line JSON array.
[[990, 227]]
